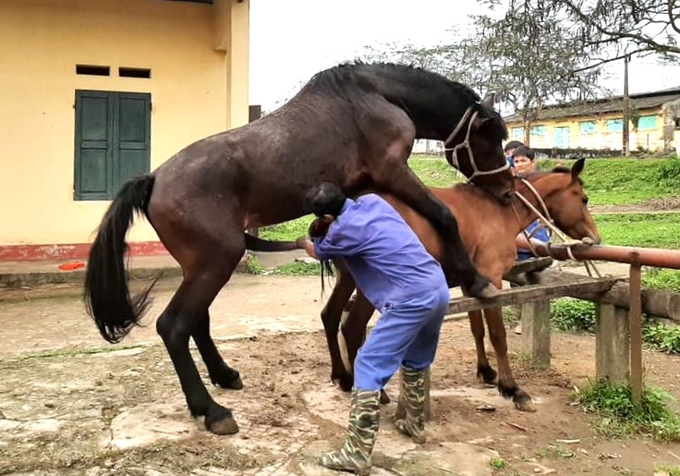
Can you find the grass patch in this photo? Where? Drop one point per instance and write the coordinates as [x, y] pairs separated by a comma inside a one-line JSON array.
[[497, 463], [627, 181], [667, 469], [658, 230], [573, 315], [662, 338], [299, 268], [620, 417], [666, 279]]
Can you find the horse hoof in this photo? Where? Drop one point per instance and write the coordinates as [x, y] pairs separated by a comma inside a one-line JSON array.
[[384, 398], [236, 384], [224, 427], [345, 382], [523, 402], [489, 292], [487, 374], [220, 421]]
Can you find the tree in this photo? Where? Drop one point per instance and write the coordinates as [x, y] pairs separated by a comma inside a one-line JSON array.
[[530, 59], [609, 30]]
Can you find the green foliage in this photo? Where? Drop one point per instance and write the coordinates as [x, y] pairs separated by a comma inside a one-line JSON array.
[[573, 315], [621, 417], [662, 338], [666, 279], [668, 174], [670, 470], [253, 264], [299, 268], [497, 463], [626, 181], [655, 230]]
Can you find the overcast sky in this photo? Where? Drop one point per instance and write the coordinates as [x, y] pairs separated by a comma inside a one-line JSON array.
[[291, 40]]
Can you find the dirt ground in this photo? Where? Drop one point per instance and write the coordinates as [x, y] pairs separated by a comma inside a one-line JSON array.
[[70, 404]]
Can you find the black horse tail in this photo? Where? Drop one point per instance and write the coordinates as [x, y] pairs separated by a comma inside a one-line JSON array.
[[106, 294]]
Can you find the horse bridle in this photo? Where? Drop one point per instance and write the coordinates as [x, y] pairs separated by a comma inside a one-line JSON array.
[[469, 114], [549, 223]]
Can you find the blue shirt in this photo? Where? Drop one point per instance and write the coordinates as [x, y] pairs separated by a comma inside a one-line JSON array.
[[540, 234], [384, 255]]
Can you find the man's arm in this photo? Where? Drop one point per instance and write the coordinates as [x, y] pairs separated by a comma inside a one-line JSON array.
[[306, 244]]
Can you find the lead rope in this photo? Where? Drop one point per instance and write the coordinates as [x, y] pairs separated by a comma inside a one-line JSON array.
[[552, 229]]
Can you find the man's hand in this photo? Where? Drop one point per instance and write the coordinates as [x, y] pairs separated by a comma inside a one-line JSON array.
[[307, 245]]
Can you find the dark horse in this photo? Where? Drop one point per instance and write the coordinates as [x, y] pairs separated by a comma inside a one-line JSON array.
[[491, 245], [353, 125]]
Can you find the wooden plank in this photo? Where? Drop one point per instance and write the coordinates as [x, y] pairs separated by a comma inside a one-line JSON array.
[[531, 293], [536, 332], [655, 302], [635, 329], [530, 265], [612, 344]]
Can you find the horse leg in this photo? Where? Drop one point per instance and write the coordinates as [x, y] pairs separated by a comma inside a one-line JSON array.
[[219, 371], [186, 316], [506, 382], [353, 333], [331, 315], [484, 370]]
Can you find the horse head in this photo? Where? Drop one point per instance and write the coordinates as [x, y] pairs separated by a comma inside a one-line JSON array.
[[475, 148], [567, 203]]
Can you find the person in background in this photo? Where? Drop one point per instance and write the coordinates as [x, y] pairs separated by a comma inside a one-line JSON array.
[[524, 160], [509, 149], [407, 285]]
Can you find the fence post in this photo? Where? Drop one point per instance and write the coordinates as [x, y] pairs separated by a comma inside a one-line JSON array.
[[536, 332], [401, 409], [612, 344]]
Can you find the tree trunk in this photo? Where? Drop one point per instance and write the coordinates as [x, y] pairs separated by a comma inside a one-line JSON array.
[[527, 132]]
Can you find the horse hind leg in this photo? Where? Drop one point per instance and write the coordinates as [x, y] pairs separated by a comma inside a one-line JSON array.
[[221, 374], [507, 386], [185, 316], [484, 370]]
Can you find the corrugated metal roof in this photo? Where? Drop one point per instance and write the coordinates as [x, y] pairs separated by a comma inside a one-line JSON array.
[[639, 101]]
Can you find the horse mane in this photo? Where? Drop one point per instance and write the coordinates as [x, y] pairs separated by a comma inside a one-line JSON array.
[[353, 80], [558, 169]]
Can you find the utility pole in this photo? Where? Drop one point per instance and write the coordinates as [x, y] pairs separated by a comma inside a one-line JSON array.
[[626, 109]]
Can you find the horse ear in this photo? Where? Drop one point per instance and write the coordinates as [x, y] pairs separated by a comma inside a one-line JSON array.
[[489, 100], [578, 167]]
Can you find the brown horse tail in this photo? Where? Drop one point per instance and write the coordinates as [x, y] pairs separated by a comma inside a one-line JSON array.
[[106, 294], [253, 243]]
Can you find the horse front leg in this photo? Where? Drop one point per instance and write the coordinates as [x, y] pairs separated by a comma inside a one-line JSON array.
[[484, 370], [506, 382], [395, 177], [331, 315], [352, 333]]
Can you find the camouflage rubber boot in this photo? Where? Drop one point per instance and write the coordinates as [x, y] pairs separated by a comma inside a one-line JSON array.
[[413, 386], [364, 420]]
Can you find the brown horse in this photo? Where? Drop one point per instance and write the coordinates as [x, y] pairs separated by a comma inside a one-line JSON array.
[[353, 125], [488, 230]]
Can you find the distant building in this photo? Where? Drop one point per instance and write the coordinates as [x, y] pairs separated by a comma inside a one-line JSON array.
[[598, 124]]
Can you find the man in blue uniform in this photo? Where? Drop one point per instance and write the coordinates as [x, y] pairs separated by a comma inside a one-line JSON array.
[[407, 285]]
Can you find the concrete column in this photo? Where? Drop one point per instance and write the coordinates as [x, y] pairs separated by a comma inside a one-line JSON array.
[[232, 35]]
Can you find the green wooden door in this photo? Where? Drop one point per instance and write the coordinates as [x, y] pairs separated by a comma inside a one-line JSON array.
[[113, 135]]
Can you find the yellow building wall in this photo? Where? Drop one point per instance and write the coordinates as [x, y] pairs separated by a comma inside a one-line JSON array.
[[41, 41], [601, 138]]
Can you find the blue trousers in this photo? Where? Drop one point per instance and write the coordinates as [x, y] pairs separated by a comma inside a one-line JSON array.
[[407, 334]]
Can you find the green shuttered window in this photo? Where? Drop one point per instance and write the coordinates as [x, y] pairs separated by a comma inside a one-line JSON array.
[[112, 143]]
